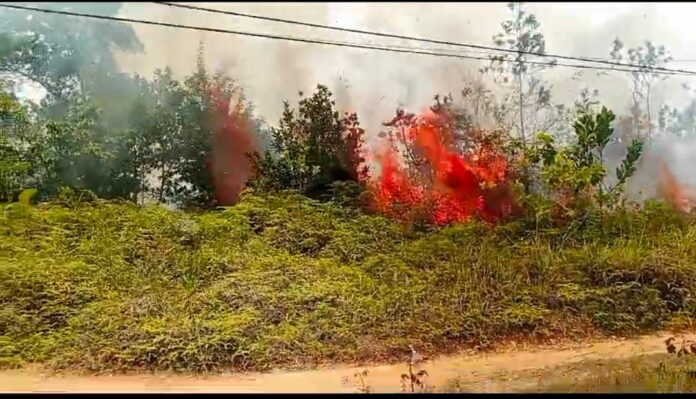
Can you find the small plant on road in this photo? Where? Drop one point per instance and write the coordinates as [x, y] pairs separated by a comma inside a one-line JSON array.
[[413, 380], [360, 381]]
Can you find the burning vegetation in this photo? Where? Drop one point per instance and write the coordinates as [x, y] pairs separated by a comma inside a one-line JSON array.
[[437, 167], [681, 198], [233, 138], [425, 169]]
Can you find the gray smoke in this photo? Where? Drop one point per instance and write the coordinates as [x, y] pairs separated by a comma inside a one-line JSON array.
[[374, 83], [276, 70]]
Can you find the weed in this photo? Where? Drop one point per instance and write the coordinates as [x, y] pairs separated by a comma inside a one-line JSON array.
[[639, 375], [360, 381], [414, 380]]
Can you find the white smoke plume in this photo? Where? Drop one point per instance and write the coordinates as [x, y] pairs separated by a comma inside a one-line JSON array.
[[375, 83]]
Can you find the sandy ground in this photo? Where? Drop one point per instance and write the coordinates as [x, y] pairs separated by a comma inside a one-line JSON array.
[[508, 370]]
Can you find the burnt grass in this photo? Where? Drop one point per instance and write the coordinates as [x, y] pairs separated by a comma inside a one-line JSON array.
[[285, 281]]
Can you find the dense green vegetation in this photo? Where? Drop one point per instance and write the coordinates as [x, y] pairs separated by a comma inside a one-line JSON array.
[[282, 280]]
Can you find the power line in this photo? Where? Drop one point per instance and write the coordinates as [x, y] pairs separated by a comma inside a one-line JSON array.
[[316, 41], [420, 39]]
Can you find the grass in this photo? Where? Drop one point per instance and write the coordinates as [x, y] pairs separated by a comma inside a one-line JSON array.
[[653, 374], [283, 281]]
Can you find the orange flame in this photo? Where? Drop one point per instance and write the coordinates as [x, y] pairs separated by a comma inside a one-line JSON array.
[[459, 183], [232, 140], [678, 196]]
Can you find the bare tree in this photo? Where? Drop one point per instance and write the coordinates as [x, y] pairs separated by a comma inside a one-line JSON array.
[[529, 95], [648, 57]]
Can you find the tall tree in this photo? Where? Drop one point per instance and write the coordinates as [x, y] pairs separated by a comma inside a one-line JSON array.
[[188, 141], [643, 79], [13, 168], [679, 122], [527, 107], [217, 127], [312, 147]]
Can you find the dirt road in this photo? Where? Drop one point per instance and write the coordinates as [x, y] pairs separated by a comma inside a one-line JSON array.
[[508, 370]]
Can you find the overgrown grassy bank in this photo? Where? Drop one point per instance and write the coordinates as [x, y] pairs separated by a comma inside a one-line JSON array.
[[285, 281]]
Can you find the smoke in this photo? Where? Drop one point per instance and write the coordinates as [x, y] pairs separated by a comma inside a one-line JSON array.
[[233, 139], [374, 83], [666, 171], [273, 71]]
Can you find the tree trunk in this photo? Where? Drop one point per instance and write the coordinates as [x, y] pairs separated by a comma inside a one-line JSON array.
[[647, 105], [163, 179], [519, 76], [521, 106]]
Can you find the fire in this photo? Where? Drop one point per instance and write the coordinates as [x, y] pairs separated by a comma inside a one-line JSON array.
[[423, 170], [232, 140], [679, 197], [448, 186]]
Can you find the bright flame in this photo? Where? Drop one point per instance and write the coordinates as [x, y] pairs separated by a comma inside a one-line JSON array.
[[458, 185]]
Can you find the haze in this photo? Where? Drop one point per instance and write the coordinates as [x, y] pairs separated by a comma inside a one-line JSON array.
[[374, 83]]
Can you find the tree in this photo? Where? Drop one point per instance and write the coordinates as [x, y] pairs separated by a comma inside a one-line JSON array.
[[217, 132], [480, 101], [312, 147], [76, 151], [680, 123], [70, 55], [643, 79], [187, 142], [136, 145], [184, 142], [158, 126], [527, 107], [87, 96], [575, 174], [13, 169]]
